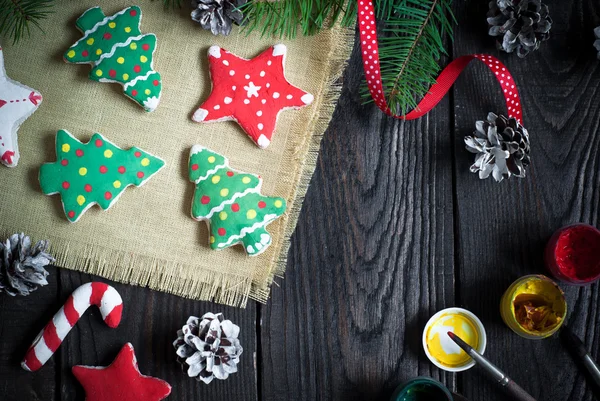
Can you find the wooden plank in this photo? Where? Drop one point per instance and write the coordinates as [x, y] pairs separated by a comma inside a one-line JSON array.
[[371, 258], [150, 322], [504, 227], [21, 319]]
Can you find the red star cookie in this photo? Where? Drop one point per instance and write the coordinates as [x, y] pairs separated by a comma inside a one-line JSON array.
[[251, 92], [121, 380]]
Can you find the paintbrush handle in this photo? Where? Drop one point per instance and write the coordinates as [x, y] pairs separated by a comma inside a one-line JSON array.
[[517, 392]]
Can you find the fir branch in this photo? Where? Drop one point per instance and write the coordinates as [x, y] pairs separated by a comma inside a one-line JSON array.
[[17, 16], [411, 48]]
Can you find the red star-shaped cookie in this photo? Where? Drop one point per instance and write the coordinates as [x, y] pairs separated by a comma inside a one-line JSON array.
[[120, 381], [251, 92]]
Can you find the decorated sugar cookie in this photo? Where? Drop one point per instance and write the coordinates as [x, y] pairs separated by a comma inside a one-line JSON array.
[[121, 381], [231, 203], [96, 172], [17, 103], [251, 92], [118, 52]]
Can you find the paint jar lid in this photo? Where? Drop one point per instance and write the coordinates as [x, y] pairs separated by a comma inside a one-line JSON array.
[[441, 350]]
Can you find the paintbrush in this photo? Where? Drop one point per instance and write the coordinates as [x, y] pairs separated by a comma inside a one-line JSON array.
[[496, 374], [578, 348]]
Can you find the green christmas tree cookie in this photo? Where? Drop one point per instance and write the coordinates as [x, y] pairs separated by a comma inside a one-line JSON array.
[[231, 203], [96, 172], [118, 52]]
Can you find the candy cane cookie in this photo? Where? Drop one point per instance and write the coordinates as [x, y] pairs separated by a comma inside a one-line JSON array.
[[105, 297]]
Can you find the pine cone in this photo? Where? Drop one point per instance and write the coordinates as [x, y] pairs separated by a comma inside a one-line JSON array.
[[524, 24], [209, 347], [502, 148], [218, 16], [22, 265], [597, 42]]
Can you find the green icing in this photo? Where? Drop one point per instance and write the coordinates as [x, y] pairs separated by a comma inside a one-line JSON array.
[[119, 53], [231, 202], [94, 172]]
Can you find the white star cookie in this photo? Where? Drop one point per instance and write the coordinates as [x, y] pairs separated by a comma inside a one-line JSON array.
[[17, 103]]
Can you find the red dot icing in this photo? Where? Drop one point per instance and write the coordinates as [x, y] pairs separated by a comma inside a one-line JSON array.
[[146, 46], [204, 200], [137, 154], [140, 174], [64, 162], [194, 167], [230, 173], [107, 195], [107, 36], [88, 188], [137, 68], [99, 142], [134, 93], [79, 152], [112, 73], [122, 169], [221, 231], [66, 185], [262, 204], [85, 53], [155, 83], [103, 169], [235, 207], [577, 253], [71, 214], [133, 13]]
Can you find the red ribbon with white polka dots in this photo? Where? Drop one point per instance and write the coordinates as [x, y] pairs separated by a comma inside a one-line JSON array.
[[370, 54]]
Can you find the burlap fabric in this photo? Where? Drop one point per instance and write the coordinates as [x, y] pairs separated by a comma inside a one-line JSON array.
[[148, 237]]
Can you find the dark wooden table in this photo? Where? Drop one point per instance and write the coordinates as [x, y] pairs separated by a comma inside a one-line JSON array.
[[393, 229]]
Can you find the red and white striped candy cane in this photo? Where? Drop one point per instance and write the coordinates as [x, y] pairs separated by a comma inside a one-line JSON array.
[[47, 342]]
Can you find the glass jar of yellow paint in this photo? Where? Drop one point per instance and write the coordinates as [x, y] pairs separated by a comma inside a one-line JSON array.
[[534, 307]]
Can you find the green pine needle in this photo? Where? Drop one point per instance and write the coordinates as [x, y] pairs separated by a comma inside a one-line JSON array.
[[410, 45], [17, 17]]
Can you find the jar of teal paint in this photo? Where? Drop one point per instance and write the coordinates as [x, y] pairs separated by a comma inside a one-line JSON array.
[[422, 389]]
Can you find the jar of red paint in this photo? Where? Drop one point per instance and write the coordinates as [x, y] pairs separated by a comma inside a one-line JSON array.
[[573, 254]]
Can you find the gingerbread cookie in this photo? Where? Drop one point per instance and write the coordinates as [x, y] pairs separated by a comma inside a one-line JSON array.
[[251, 92], [231, 203], [17, 103], [121, 381], [96, 172], [118, 52]]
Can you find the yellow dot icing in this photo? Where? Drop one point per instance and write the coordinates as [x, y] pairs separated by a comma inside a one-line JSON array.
[[223, 215], [145, 161], [112, 25], [82, 171], [212, 239], [224, 192], [147, 91], [440, 345], [117, 184], [127, 29], [143, 59], [108, 153], [211, 159], [99, 73], [278, 203], [65, 148], [80, 200], [133, 46], [125, 77], [216, 179], [99, 52], [71, 54], [90, 41], [246, 180], [120, 60], [251, 214]]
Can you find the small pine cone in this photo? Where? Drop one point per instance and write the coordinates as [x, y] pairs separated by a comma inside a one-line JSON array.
[[22, 265], [521, 24], [209, 347], [597, 42], [218, 16], [502, 148]]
